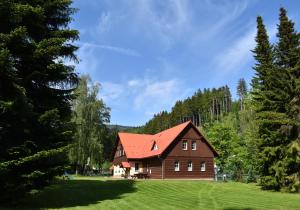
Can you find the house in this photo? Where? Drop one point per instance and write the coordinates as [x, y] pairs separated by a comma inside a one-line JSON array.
[[178, 152]]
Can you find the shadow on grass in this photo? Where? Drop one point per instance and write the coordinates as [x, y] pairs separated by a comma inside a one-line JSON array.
[[238, 209], [77, 193]]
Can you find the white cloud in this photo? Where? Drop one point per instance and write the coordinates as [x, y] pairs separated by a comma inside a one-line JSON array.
[[134, 83], [237, 55], [157, 95], [146, 95], [88, 60], [111, 91]]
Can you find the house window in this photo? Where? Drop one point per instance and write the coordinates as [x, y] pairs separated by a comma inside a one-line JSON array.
[[190, 166], [176, 166], [123, 152], [136, 167], [155, 147], [194, 145], [184, 145], [203, 166]]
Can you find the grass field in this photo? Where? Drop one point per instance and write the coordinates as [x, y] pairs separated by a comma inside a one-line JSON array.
[[96, 193]]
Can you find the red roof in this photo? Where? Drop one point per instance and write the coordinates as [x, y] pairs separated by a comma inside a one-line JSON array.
[[125, 165], [139, 146]]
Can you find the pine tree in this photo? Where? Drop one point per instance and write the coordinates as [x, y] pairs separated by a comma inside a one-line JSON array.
[[242, 91], [36, 88]]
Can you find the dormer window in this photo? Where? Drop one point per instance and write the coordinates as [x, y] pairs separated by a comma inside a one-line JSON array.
[[184, 145], [155, 147]]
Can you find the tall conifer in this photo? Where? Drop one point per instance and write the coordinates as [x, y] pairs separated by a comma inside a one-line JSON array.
[[36, 89]]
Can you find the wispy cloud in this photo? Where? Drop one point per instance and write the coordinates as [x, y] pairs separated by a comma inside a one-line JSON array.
[[104, 22], [235, 57], [125, 51], [146, 95], [120, 50], [157, 95], [111, 91]]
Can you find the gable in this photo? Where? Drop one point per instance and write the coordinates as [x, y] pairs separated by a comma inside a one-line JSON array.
[[118, 154], [190, 135]]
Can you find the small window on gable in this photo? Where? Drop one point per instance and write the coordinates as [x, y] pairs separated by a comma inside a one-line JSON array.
[[194, 145], [176, 166], [202, 166], [190, 166], [184, 145]]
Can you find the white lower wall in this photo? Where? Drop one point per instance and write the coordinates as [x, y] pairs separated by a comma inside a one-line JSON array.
[[118, 171]]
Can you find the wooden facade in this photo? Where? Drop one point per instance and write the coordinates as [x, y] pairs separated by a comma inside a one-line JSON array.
[[188, 156]]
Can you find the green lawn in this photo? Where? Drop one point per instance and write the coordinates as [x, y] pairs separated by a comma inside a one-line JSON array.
[[95, 193]]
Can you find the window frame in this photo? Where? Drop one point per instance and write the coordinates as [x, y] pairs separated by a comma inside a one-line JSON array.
[[184, 145], [176, 165], [195, 144], [203, 163], [190, 166]]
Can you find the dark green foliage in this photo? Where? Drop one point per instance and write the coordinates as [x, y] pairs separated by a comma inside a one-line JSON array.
[[277, 105], [35, 92]]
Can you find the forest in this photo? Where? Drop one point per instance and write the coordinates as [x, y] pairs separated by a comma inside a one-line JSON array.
[[51, 119]]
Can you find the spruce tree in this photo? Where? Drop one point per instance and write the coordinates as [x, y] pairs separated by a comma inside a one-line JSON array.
[[287, 54], [242, 91], [264, 93], [274, 90], [36, 89]]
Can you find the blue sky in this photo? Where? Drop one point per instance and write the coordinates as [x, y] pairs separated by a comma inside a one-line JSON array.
[[149, 54]]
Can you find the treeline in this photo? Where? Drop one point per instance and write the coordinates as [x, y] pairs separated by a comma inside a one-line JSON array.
[[203, 107]]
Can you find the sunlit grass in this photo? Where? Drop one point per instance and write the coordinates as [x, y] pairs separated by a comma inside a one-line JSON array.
[[105, 193]]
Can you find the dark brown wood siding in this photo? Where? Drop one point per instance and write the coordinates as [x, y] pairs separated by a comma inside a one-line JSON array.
[[169, 170], [202, 149], [154, 167], [175, 152]]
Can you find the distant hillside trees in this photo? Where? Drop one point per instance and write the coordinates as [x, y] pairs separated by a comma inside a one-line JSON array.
[[276, 96], [36, 89], [90, 116]]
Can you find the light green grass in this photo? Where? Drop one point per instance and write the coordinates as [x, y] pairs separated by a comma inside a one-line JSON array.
[[95, 193]]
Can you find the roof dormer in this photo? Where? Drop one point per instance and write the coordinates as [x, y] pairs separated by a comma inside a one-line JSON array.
[[154, 147]]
